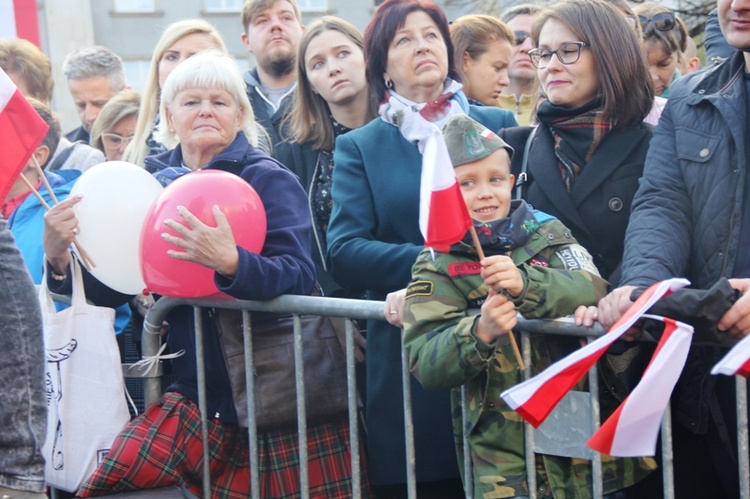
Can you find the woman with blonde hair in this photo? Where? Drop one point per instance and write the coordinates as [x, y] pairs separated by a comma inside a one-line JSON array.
[[482, 47], [114, 127], [179, 41]]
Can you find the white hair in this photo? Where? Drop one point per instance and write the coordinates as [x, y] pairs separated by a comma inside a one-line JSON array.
[[207, 69]]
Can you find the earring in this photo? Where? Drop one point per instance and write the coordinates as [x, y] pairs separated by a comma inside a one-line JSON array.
[[171, 130], [388, 83]]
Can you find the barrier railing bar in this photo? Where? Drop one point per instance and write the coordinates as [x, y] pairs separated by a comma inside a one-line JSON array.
[[468, 472], [299, 371], [411, 475], [667, 458], [596, 463], [201, 368], [351, 386], [252, 428], [528, 429], [372, 310], [742, 436]]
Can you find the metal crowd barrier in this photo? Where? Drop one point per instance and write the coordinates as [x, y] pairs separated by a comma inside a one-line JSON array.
[[373, 310]]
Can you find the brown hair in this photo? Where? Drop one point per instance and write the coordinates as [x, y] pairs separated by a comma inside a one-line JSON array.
[[25, 59], [389, 17], [52, 139], [623, 80], [251, 8], [671, 41], [309, 119], [474, 33]]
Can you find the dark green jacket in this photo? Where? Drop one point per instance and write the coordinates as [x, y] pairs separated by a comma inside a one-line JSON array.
[[444, 352]]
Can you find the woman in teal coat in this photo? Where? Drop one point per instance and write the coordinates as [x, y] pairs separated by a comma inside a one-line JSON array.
[[373, 235]]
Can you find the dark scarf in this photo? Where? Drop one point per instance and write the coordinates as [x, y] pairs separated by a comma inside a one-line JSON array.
[[504, 235], [577, 133]]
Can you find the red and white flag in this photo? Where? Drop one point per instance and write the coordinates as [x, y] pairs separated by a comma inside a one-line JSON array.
[[19, 19], [443, 216], [736, 362], [21, 132], [631, 431], [535, 398]]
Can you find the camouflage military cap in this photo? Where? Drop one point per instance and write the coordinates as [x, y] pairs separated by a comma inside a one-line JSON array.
[[470, 141]]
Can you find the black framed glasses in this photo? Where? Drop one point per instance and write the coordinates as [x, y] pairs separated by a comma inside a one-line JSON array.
[[114, 141], [663, 21], [521, 37], [567, 53]]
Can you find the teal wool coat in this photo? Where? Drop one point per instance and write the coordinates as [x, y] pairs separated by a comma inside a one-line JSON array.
[[373, 241]]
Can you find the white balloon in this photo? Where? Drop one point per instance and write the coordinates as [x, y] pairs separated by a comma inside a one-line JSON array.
[[116, 197]]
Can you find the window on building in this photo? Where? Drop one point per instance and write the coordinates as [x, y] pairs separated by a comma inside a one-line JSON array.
[[135, 5], [313, 5], [136, 73], [223, 5]]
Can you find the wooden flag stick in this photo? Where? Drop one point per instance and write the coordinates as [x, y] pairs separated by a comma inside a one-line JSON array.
[[45, 181], [85, 257], [513, 342]]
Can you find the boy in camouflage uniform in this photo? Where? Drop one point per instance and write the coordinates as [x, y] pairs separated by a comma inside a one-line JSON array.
[[533, 265]]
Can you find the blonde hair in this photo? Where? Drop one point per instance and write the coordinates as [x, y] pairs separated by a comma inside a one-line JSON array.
[[137, 150], [474, 33], [208, 69], [124, 104], [27, 61]]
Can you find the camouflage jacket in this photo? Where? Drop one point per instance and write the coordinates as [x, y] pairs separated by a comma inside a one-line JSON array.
[[445, 353]]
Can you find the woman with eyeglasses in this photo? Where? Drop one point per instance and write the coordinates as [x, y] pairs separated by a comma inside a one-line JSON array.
[[664, 41], [482, 48], [581, 165], [114, 127]]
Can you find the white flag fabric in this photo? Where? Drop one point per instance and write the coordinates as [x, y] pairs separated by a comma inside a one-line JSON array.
[[736, 362], [535, 398], [632, 430]]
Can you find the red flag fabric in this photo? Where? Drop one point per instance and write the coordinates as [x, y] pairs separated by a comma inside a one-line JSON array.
[[443, 216], [736, 362], [631, 431], [21, 132], [536, 397]]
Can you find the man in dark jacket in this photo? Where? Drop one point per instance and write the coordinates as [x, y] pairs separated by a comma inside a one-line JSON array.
[[273, 29], [691, 218]]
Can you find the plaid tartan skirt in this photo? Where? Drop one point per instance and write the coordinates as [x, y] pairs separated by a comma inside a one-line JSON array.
[[163, 447]]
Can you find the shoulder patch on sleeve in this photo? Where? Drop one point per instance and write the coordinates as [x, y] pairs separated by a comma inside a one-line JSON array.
[[420, 288], [575, 257]]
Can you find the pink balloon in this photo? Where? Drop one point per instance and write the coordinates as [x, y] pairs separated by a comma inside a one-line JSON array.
[[199, 192]]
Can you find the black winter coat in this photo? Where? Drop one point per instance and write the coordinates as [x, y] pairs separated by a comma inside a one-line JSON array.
[[598, 207]]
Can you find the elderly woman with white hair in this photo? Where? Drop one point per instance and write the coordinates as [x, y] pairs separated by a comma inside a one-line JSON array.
[[204, 105]]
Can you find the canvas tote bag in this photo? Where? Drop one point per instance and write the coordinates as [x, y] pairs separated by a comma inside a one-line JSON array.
[[84, 385]]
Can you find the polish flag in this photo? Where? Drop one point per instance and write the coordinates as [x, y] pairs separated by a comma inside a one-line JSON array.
[[631, 431], [535, 398], [18, 19], [443, 216], [736, 362], [21, 132]]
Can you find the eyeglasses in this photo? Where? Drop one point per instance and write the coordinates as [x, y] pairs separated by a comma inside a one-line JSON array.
[[663, 21], [115, 140], [521, 36], [567, 53]]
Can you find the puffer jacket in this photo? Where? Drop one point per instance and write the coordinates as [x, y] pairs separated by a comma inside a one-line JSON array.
[[687, 211]]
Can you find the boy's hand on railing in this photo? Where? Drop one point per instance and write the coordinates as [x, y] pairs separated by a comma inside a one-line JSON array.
[[394, 308], [498, 317]]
